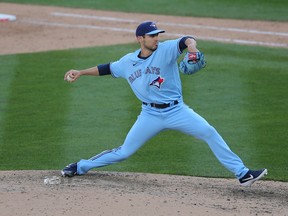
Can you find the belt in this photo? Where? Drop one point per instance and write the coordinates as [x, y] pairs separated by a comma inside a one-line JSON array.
[[161, 106]]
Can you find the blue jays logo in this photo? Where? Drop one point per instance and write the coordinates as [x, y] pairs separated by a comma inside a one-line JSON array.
[[153, 25], [157, 82]]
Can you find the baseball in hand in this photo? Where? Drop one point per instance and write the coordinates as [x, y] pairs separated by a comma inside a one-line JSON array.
[[69, 78]]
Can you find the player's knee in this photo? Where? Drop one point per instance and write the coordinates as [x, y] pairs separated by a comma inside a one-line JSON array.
[[123, 154], [207, 132]]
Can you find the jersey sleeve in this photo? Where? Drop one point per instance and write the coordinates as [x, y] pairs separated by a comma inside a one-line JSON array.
[[115, 69], [118, 68]]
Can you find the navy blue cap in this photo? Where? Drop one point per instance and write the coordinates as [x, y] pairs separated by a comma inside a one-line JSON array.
[[149, 28]]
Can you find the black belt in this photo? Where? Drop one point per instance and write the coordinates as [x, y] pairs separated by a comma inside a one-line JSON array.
[[161, 106]]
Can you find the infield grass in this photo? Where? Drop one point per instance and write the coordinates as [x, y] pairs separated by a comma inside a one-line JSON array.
[[275, 10], [47, 123]]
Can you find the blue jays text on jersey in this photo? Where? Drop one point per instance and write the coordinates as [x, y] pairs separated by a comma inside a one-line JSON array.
[[148, 70]]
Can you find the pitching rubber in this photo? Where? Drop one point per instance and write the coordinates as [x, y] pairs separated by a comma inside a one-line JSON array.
[[7, 17]]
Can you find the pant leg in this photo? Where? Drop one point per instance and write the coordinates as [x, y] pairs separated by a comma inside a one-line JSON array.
[[189, 122], [145, 127]]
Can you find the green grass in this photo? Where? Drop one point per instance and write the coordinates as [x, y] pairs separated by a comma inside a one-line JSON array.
[[46, 123], [275, 10]]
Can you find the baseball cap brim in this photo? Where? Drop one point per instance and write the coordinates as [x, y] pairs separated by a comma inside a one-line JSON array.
[[155, 32]]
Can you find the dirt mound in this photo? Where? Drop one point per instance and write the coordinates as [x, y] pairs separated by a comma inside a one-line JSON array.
[[123, 194]]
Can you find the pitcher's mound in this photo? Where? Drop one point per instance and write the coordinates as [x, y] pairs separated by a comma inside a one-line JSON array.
[[127, 194]]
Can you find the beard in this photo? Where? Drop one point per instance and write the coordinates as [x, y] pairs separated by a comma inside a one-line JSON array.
[[152, 49]]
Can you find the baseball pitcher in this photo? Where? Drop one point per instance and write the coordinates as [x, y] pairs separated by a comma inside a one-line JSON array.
[[153, 74]]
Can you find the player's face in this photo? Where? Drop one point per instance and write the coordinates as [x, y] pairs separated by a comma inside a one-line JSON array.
[[150, 42]]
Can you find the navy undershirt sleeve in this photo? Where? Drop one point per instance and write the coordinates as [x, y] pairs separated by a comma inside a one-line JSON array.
[[104, 69], [182, 44]]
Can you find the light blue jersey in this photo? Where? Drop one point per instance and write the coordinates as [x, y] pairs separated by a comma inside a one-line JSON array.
[[155, 79]]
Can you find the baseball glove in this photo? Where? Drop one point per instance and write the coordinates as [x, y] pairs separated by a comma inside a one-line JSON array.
[[192, 62]]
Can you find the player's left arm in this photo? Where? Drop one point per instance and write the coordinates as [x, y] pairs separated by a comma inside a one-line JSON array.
[[191, 45], [193, 60]]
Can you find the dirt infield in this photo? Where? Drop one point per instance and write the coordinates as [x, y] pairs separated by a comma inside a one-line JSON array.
[[52, 28], [129, 194]]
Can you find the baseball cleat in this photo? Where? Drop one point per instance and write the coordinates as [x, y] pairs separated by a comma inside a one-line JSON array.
[[252, 176], [69, 170]]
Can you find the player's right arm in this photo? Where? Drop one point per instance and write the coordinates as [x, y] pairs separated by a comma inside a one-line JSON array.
[[103, 69]]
